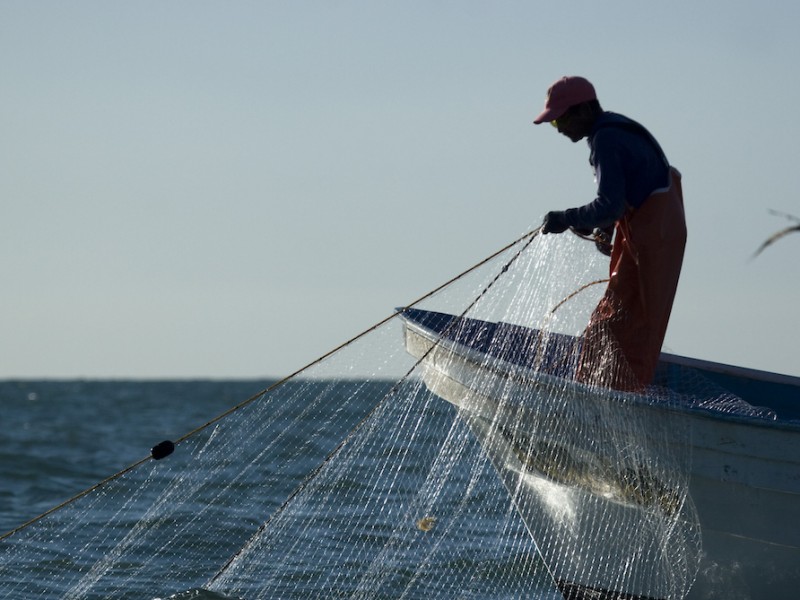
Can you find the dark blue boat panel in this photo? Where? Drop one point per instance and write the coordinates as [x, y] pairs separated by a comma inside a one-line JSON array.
[[781, 394], [551, 353], [783, 399]]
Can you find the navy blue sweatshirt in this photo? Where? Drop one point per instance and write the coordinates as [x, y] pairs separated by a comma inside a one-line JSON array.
[[629, 165]]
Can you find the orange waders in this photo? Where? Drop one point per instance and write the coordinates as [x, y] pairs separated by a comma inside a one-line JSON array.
[[623, 340]]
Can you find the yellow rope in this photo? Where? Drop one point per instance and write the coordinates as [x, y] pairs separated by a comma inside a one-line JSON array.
[[576, 292]]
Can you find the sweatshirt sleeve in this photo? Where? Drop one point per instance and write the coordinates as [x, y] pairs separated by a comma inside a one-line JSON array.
[[609, 205]]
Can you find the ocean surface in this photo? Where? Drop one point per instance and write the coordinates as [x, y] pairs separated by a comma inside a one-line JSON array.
[[61, 437]]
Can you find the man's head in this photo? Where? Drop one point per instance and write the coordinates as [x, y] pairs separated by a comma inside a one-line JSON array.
[[571, 106]]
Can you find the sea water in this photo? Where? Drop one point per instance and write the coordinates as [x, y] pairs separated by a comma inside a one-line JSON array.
[[60, 437]]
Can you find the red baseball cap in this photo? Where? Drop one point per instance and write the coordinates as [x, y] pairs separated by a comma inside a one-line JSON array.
[[564, 93]]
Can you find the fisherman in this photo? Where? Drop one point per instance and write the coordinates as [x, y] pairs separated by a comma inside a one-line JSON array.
[[640, 202]]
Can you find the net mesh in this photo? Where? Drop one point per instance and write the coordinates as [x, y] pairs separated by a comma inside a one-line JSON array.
[[402, 467]]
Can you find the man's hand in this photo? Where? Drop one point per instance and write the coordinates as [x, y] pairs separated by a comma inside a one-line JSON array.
[[555, 222], [602, 240]]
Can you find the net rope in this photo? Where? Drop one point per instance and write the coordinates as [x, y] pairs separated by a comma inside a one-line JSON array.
[[403, 467]]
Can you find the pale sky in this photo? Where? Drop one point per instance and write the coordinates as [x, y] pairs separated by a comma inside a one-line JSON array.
[[230, 189]]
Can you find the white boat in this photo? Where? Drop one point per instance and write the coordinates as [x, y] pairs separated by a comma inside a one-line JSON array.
[[691, 489]]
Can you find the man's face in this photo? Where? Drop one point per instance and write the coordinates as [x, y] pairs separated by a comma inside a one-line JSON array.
[[575, 124]]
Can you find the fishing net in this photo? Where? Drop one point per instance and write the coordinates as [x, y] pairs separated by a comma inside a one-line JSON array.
[[413, 462]]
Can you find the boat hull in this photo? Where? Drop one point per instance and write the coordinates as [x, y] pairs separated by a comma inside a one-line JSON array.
[[714, 517]]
